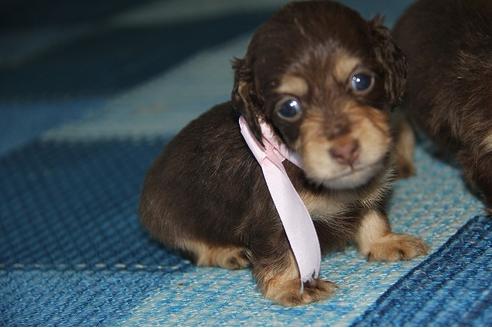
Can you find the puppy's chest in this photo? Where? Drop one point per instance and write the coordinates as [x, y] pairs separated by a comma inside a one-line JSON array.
[[323, 206]]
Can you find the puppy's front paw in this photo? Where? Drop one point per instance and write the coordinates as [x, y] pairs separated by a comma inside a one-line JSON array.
[[278, 280], [396, 247], [289, 294]]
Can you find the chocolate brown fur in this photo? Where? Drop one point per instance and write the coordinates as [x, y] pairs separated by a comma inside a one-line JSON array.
[[205, 194], [449, 48]]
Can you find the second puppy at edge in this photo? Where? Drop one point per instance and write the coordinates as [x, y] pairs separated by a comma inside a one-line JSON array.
[[325, 80]]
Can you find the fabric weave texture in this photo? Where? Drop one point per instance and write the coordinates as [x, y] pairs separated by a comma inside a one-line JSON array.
[[91, 91]]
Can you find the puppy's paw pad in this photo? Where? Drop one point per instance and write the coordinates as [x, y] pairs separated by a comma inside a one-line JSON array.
[[396, 247], [315, 291]]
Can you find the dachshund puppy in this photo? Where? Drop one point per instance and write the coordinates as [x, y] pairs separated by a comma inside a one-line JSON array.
[[449, 97], [324, 80]]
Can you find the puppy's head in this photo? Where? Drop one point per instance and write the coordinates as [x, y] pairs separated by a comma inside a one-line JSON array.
[[325, 80]]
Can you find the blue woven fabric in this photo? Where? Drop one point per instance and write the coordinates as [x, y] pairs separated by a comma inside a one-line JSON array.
[[73, 205], [104, 63], [67, 297], [450, 288], [89, 95]]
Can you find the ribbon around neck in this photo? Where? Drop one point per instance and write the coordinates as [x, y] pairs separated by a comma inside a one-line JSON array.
[[294, 215]]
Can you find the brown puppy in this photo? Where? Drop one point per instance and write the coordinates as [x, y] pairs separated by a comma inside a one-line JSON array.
[[324, 79], [448, 44]]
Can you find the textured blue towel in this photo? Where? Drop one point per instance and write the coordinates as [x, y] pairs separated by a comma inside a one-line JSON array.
[[450, 288], [89, 96]]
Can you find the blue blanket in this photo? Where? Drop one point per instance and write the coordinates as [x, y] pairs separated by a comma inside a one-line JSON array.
[[90, 93]]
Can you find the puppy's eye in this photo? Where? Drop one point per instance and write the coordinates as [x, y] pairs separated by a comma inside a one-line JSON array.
[[362, 82], [289, 109]]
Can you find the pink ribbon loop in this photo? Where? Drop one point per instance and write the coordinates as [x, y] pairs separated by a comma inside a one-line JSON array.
[[294, 215]]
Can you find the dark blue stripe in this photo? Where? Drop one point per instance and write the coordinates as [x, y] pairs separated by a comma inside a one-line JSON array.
[[453, 287], [72, 251], [61, 13], [70, 203], [113, 59]]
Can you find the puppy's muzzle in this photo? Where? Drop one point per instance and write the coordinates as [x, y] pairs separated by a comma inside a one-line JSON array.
[[346, 151]]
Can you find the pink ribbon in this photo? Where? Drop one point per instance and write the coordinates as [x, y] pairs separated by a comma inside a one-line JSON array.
[[294, 215]]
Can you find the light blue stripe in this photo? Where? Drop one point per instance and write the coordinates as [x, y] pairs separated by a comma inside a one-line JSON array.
[[21, 122], [163, 105]]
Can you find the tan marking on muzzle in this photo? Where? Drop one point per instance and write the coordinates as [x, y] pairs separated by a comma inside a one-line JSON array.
[[371, 127]]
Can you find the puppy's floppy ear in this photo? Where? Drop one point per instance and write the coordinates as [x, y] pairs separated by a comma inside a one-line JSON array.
[[391, 59], [244, 98]]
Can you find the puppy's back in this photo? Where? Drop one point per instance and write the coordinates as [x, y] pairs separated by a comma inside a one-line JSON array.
[[197, 176], [448, 44]]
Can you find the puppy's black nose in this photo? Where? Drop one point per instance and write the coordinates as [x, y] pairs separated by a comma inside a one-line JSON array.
[[345, 152]]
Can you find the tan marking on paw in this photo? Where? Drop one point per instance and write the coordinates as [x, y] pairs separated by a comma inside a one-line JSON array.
[[288, 293], [378, 243], [228, 257], [280, 283], [373, 227], [396, 247]]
